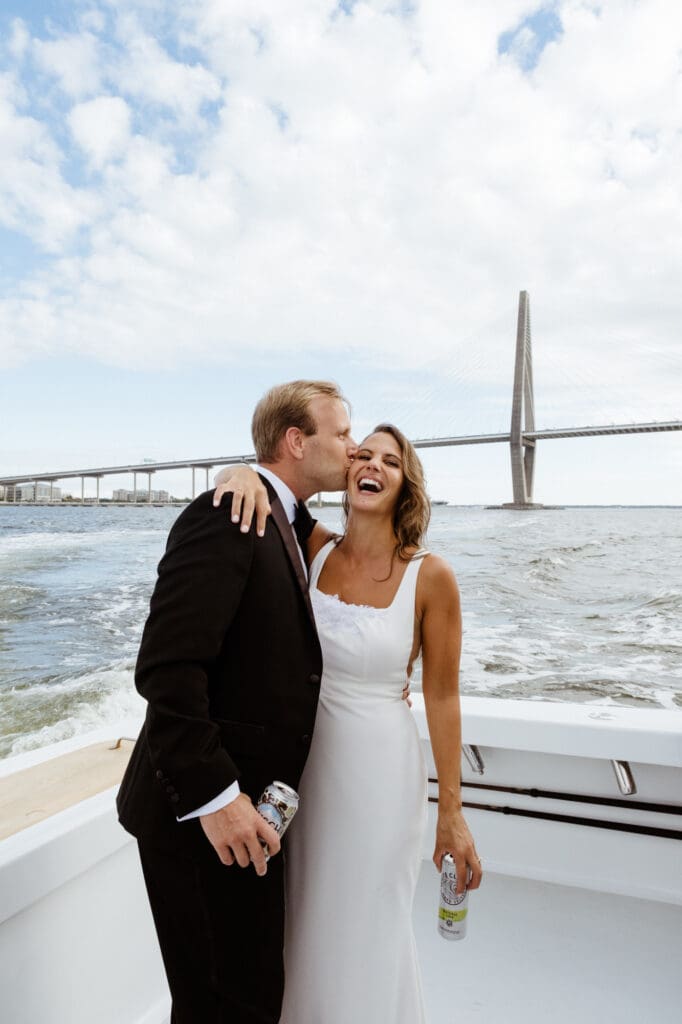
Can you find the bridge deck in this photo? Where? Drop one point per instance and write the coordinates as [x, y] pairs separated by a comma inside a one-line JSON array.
[[425, 442]]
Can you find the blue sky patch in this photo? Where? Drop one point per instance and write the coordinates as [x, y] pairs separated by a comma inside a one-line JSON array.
[[528, 39], [346, 6], [19, 257], [280, 116]]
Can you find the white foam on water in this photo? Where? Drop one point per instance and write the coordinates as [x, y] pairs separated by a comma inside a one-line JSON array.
[[63, 540], [119, 701]]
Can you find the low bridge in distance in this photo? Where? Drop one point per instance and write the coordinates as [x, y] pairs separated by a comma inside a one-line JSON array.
[[521, 438]]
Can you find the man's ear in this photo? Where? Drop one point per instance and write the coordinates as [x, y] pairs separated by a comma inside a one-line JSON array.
[[292, 442]]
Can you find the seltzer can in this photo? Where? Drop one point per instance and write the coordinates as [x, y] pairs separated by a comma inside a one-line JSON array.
[[278, 804], [453, 908]]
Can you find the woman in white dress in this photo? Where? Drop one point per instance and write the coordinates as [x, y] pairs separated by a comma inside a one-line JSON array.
[[354, 848]]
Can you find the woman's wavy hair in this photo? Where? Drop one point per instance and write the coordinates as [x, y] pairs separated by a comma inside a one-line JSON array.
[[413, 507]]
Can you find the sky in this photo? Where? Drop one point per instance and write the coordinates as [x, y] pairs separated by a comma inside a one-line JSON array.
[[201, 199]]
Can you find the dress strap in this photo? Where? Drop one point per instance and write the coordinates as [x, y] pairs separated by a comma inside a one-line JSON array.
[[404, 601], [319, 560]]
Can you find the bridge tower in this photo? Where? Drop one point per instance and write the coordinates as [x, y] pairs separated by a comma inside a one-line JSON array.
[[523, 413]]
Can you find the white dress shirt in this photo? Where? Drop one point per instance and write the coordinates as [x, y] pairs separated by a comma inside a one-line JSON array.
[[289, 503]]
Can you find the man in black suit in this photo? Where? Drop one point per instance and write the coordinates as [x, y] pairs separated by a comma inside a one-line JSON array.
[[230, 665]]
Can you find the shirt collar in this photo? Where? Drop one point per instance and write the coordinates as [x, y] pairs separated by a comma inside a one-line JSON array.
[[284, 492]]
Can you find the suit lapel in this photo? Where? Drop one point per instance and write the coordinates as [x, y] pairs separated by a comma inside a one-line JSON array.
[[287, 534]]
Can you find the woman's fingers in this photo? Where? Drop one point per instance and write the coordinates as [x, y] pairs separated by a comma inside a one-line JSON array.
[[249, 496], [476, 873], [218, 494], [468, 868], [263, 510], [248, 506], [236, 506]]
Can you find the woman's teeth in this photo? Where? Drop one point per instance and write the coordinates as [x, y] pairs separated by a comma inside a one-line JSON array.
[[369, 484]]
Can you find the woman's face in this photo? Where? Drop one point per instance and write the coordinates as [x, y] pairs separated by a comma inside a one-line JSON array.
[[376, 476]]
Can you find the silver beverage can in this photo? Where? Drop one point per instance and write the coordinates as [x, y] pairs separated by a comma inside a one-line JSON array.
[[453, 909], [278, 804]]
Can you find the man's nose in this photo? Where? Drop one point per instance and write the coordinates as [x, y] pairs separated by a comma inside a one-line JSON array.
[[352, 448]]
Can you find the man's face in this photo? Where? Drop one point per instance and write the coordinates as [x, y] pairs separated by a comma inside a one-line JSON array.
[[328, 453]]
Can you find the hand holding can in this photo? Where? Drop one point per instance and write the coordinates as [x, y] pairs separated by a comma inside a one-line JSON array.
[[454, 908], [277, 805]]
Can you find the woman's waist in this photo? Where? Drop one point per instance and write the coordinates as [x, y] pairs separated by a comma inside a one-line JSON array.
[[357, 699], [335, 679]]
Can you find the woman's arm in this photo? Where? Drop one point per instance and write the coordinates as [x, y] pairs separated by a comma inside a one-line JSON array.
[[441, 636], [248, 494]]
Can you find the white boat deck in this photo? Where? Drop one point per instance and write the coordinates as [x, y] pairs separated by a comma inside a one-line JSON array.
[[541, 953], [579, 919]]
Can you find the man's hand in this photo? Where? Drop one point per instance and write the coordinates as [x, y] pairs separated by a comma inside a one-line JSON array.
[[235, 832]]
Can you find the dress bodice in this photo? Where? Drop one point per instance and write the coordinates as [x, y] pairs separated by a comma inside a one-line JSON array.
[[365, 649]]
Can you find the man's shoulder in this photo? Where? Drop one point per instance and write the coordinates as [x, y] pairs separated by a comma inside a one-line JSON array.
[[200, 517], [199, 506]]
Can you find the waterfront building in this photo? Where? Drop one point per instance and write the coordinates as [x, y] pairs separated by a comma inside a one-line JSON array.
[[121, 494], [31, 492]]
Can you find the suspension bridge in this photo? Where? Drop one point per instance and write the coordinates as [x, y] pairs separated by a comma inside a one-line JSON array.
[[522, 439]]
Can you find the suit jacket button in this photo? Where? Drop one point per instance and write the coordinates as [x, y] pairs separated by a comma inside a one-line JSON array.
[[175, 798], [305, 740], [170, 789], [314, 678]]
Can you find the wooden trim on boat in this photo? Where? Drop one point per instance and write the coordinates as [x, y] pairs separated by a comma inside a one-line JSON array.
[[33, 794]]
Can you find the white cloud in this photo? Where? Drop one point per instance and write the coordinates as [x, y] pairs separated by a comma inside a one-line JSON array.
[[101, 127], [382, 185], [34, 198], [75, 62], [149, 74], [19, 39]]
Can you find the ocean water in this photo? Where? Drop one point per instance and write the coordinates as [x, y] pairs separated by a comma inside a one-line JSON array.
[[579, 604]]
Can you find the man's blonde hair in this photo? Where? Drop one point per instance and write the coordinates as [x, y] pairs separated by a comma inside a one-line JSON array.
[[284, 406]]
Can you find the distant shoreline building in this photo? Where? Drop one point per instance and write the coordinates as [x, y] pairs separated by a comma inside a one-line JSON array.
[[132, 496], [30, 492]]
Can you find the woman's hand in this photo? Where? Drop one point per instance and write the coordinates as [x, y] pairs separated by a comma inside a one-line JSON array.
[[248, 494], [453, 837]]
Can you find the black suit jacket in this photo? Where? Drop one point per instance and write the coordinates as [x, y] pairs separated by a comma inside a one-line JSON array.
[[230, 666]]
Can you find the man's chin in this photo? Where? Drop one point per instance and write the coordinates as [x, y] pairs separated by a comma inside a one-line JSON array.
[[333, 485]]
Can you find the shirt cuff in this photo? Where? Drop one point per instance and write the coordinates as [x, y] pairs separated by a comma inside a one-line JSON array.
[[222, 800]]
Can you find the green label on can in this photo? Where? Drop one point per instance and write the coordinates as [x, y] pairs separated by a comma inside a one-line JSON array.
[[451, 915]]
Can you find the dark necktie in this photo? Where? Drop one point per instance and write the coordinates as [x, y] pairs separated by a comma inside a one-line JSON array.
[[303, 524]]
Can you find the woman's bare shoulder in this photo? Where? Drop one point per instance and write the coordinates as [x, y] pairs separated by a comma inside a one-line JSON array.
[[437, 580], [318, 538], [435, 567]]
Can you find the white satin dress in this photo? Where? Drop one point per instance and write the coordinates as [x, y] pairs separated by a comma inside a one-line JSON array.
[[354, 847]]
